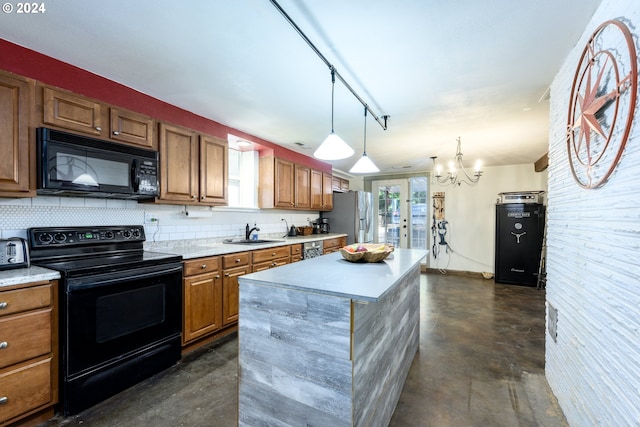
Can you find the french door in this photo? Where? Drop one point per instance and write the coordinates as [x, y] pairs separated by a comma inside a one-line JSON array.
[[400, 207]]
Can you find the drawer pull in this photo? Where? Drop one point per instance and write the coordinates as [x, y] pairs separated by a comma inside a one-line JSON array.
[[237, 259], [273, 254], [203, 266], [4, 399], [4, 344], [3, 304]]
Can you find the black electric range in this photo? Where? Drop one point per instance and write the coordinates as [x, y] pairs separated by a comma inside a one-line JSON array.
[[120, 308]]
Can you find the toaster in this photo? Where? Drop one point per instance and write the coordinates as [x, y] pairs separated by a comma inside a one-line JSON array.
[[14, 253]]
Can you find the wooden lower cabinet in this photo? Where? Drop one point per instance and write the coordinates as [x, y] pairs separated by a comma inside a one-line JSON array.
[[233, 266], [264, 259], [334, 244], [296, 252], [211, 293], [28, 353], [231, 293], [202, 299]]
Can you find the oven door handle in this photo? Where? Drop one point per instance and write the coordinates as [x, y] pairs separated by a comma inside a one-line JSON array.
[[107, 279]]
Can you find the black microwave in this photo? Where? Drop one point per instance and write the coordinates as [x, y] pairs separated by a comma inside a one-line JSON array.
[[75, 165]]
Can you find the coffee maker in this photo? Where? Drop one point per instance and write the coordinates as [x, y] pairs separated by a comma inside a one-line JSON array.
[[323, 225]]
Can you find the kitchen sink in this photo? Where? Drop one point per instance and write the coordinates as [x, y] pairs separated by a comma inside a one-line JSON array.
[[249, 241]]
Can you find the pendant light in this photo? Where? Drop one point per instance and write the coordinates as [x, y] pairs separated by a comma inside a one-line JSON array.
[[333, 147], [364, 165]]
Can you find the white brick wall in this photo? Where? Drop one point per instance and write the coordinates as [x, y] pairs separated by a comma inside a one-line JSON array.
[[594, 266]]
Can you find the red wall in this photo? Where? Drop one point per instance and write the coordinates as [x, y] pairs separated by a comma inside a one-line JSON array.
[[29, 63]]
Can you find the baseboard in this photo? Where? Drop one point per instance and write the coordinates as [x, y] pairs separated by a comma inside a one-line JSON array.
[[474, 274]]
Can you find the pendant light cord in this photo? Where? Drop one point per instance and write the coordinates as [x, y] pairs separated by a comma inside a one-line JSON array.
[[333, 86], [364, 152], [382, 120]]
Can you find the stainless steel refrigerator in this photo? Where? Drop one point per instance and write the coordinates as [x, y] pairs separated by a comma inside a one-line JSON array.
[[352, 214]]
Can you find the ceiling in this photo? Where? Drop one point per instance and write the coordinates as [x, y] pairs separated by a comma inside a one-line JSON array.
[[479, 70]]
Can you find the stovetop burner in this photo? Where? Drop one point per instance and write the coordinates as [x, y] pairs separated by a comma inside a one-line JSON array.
[[76, 251]]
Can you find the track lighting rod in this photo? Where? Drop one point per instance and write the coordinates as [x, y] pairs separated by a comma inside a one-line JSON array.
[[382, 120]]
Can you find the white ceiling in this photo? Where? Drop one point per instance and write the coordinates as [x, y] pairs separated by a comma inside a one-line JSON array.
[[440, 69]]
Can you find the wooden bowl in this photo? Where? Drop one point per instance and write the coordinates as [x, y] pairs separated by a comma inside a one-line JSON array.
[[375, 256]]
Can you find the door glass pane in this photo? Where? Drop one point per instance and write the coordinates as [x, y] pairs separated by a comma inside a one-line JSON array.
[[389, 214], [418, 213]]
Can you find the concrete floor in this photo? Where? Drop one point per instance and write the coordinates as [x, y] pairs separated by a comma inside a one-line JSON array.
[[480, 363]]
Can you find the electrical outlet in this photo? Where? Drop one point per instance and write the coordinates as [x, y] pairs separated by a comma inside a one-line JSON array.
[[150, 217]]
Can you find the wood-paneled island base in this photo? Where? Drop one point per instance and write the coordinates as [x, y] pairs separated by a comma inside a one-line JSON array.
[[327, 342]]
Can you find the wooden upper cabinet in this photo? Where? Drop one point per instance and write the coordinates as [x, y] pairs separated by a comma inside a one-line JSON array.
[[302, 185], [129, 127], [316, 190], [71, 112], [284, 184], [75, 113], [340, 184], [327, 191], [178, 164], [214, 166], [193, 167], [17, 157], [287, 185]]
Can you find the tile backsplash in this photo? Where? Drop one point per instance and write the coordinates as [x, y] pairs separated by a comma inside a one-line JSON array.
[[17, 215]]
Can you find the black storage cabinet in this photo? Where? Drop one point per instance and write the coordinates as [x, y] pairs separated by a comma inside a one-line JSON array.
[[519, 236]]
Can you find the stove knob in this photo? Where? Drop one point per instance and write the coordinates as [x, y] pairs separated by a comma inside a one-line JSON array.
[[108, 234], [59, 237], [126, 234], [136, 232], [45, 238]]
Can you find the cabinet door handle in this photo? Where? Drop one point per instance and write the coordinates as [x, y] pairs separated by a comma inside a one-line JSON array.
[[217, 276], [3, 304], [226, 274], [98, 128], [4, 399], [194, 196], [4, 344], [116, 133]]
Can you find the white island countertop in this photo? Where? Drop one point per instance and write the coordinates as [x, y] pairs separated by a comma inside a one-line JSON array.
[[333, 275]]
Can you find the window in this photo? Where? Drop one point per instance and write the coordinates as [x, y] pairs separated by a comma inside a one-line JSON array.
[[243, 174]]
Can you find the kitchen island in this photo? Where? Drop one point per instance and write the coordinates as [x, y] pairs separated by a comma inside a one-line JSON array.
[[326, 341]]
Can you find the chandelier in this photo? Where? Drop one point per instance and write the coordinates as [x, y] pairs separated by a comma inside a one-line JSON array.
[[454, 177]]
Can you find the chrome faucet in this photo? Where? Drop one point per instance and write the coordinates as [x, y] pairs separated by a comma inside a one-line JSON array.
[[248, 231]]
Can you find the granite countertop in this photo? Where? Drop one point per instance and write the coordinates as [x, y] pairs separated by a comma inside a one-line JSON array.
[[333, 275], [188, 249], [191, 249], [20, 276]]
